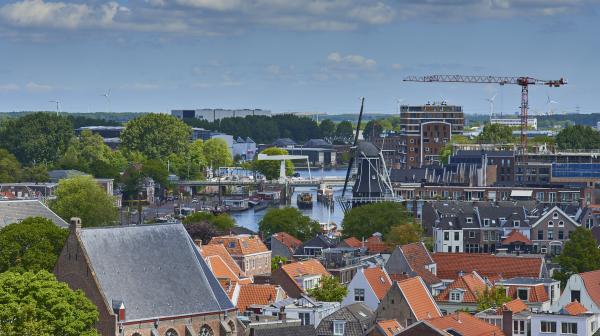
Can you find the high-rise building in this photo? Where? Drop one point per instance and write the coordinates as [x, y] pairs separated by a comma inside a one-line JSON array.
[[425, 130]]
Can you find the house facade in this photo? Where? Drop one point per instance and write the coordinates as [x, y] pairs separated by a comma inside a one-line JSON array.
[[583, 288], [368, 286], [551, 231], [248, 251]]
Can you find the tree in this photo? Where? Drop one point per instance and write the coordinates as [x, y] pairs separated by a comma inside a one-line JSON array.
[[36, 173], [289, 220], [36, 304], [327, 129], [404, 234], [156, 135], [217, 153], [31, 245], [10, 168], [82, 197], [493, 297], [223, 222], [344, 131], [445, 153], [202, 230], [275, 262], [36, 138], [580, 254], [329, 290], [496, 134], [363, 221], [89, 153], [270, 169], [373, 129], [578, 137]]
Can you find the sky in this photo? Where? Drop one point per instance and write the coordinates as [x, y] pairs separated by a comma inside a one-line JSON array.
[[294, 55]]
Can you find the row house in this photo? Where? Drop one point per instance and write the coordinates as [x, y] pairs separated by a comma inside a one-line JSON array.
[[462, 293], [551, 230], [514, 317], [539, 294], [248, 251], [369, 286]]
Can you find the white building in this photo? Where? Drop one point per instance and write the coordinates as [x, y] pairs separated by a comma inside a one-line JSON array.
[[244, 148], [448, 240], [368, 286], [211, 115], [583, 288], [570, 320], [514, 122], [308, 311]]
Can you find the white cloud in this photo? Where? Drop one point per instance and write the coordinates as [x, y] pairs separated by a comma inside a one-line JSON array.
[[9, 87], [378, 14], [356, 61], [397, 66], [33, 86], [274, 69], [219, 5]]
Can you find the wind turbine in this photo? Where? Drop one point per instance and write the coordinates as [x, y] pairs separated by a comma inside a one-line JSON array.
[[549, 103], [107, 96], [491, 101], [57, 102]]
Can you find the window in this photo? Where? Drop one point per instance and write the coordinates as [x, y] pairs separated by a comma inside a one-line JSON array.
[[516, 223], [446, 235], [575, 296], [359, 294], [304, 318], [550, 235], [206, 331], [540, 235], [568, 328], [548, 326], [523, 294], [231, 245], [456, 236], [469, 220], [455, 296], [338, 328], [518, 327], [550, 224], [561, 223], [561, 234], [589, 223], [471, 234], [486, 235], [171, 332], [486, 222], [555, 215]]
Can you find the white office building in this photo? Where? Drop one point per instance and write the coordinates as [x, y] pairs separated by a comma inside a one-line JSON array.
[[514, 122]]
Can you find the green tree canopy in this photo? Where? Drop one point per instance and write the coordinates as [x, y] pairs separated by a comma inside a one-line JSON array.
[[88, 153], [36, 138], [578, 137], [329, 290], [289, 220], [82, 197], [344, 132], [217, 153], [363, 221], [275, 262], [493, 297], [496, 134], [10, 168], [31, 245], [156, 135], [580, 254], [36, 304], [135, 175], [270, 169], [36, 173], [203, 231], [404, 234], [373, 129], [327, 129], [223, 222]]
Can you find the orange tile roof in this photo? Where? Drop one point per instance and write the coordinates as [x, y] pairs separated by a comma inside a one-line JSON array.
[[537, 293], [449, 265], [254, 294], [516, 236], [417, 255], [466, 324], [240, 244], [375, 245], [288, 240], [228, 286], [575, 308], [389, 327], [221, 251], [515, 306], [418, 298], [591, 281], [379, 281], [220, 269], [353, 242], [306, 267], [471, 283], [427, 276], [398, 277]]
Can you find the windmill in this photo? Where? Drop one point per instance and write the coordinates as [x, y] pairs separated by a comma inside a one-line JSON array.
[[107, 96], [491, 101], [549, 103], [353, 148], [57, 102]]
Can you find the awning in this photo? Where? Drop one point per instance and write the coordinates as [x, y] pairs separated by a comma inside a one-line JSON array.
[[521, 193]]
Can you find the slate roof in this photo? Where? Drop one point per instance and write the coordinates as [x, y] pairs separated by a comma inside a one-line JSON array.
[[286, 330], [367, 149], [358, 317], [15, 211], [509, 213], [155, 270], [283, 142], [591, 281], [320, 240], [449, 265], [317, 143]]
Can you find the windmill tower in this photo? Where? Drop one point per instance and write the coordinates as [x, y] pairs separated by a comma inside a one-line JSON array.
[[372, 179]]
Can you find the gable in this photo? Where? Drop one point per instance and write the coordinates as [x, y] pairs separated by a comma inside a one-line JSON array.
[[555, 215]]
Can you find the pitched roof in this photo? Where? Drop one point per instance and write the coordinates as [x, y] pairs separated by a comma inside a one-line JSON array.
[[240, 244], [449, 265], [516, 237], [465, 324], [417, 255], [418, 298], [472, 285], [537, 293], [220, 269], [515, 306], [306, 267], [288, 240], [353, 242], [427, 276], [15, 211], [221, 251], [574, 308], [374, 245], [155, 270], [422, 328], [256, 294], [357, 316], [378, 280], [389, 327], [591, 281], [286, 330]]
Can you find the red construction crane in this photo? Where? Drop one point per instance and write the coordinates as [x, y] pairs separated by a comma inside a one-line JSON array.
[[524, 82]]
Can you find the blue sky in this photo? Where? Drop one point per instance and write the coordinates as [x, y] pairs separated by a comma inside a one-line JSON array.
[[300, 55]]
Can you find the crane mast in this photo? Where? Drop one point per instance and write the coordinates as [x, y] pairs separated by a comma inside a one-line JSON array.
[[524, 82]]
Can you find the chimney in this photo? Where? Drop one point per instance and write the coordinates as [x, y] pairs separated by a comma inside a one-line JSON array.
[[75, 224], [507, 321], [198, 242], [122, 312], [282, 314]]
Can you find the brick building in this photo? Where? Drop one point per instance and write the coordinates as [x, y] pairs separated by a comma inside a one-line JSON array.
[[248, 251]]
